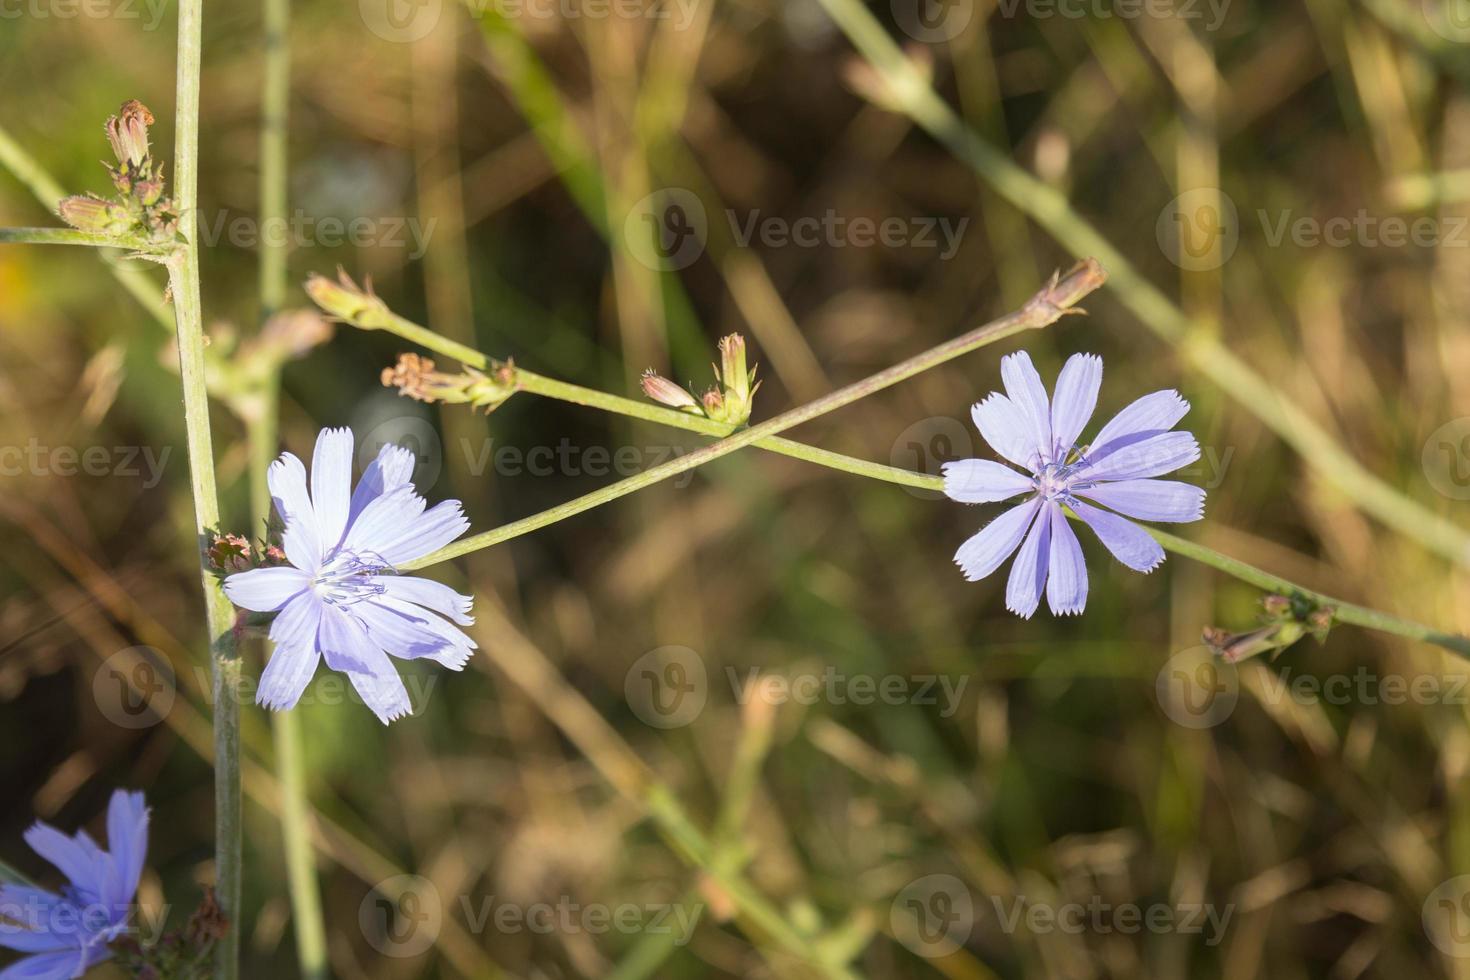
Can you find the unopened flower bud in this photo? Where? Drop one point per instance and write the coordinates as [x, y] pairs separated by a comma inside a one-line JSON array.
[[665, 392], [732, 365], [128, 133], [1235, 647], [345, 300], [714, 404], [87, 213]]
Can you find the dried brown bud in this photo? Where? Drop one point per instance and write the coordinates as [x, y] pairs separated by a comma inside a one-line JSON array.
[[415, 377], [230, 553]]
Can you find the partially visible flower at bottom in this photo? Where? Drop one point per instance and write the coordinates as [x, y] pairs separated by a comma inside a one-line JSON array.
[[65, 935], [340, 599], [1040, 435]]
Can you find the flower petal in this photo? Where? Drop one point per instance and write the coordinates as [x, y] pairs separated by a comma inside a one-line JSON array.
[[438, 526], [1128, 542], [430, 594], [127, 840], [46, 966], [392, 469], [984, 552], [383, 690], [1002, 425], [294, 660], [1028, 572], [343, 641], [71, 855], [1028, 394], [1152, 456], [453, 648], [1149, 415], [287, 480], [399, 633], [331, 484], [1074, 400], [981, 481], [266, 589], [1151, 500], [28, 920], [385, 521], [1066, 583]]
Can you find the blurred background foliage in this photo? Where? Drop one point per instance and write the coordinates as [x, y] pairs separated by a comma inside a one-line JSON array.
[[518, 143]]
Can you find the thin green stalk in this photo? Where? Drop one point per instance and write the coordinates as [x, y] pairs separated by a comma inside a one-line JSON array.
[[1345, 612], [1043, 309], [378, 318], [70, 236], [262, 427], [183, 270], [911, 92]]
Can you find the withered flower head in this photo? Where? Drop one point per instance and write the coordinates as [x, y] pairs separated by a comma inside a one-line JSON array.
[[128, 133]]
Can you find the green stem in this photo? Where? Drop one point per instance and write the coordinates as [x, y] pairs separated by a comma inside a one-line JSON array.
[[1348, 612], [262, 426], [911, 92], [70, 236], [183, 270], [1045, 308], [1345, 612]]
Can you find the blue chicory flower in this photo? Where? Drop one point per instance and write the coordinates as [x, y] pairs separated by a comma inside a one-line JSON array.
[[1115, 470], [67, 934], [340, 598]]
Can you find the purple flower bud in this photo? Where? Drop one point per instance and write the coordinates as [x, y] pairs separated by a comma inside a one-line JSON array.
[[665, 392], [128, 133]]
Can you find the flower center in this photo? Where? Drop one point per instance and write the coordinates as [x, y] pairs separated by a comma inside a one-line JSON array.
[[346, 577], [1053, 480]]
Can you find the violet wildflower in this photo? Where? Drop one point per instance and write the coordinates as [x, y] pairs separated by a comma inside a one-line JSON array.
[[1115, 470], [65, 935], [340, 599]]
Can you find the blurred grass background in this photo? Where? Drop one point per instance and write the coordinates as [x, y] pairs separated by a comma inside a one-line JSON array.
[[517, 140]]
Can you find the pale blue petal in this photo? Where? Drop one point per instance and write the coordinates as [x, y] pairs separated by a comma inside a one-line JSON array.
[[981, 481], [36, 941], [344, 642], [75, 857], [1074, 400], [391, 470], [287, 480], [378, 683], [426, 592], [294, 660], [46, 966], [1028, 573], [401, 634], [385, 521], [331, 484], [1023, 386], [457, 648], [1153, 456], [1003, 426], [1151, 500], [438, 526], [1128, 542], [1149, 415], [127, 840], [1066, 582], [266, 589], [984, 552]]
